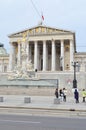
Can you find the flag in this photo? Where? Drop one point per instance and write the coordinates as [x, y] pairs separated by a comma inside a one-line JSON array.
[[42, 17]]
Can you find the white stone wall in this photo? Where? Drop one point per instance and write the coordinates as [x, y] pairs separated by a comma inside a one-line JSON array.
[[66, 79], [4, 63]]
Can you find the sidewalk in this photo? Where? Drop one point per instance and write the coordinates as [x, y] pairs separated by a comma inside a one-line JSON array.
[[41, 102]]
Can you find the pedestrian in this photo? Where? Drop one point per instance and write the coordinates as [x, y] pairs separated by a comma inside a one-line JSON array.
[[56, 93], [61, 94], [64, 94], [76, 96], [83, 94]]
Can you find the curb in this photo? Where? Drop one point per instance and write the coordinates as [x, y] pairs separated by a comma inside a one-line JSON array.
[[40, 108]]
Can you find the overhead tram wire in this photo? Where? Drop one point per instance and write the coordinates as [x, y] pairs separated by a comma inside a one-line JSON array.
[[41, 18], [36, 9]]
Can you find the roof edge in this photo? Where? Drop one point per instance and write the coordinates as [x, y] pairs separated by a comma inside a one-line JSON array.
[[23, 30]]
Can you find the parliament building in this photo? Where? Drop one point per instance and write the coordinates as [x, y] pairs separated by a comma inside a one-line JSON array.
[[52, 52]]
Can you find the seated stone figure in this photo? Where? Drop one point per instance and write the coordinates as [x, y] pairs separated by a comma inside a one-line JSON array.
[[29, 66]]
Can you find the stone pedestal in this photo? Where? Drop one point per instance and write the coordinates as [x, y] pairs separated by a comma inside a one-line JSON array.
[[27, 100], [56, 101]]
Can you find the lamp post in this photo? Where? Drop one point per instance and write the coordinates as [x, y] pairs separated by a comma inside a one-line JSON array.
[[74, 64]]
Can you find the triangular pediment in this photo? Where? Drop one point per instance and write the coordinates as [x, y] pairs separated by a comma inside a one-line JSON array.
[[38, 30], [44, 29]]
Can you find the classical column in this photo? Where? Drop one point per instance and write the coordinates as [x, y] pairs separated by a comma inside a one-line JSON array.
[[71, 54], [30, 55], [53, 56], [62, 55], [14, 56], [36, 55], [44, 56], [11, 58], [27, 51], [19, 53]]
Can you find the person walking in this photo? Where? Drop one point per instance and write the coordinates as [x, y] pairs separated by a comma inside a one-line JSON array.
[[56, 93], [76, 95], [83, 94], [61, 94], [64, 94]]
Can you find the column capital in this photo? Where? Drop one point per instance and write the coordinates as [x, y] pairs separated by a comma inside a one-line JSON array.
[[53, 40], [35, 41], [62, 40], [44, 41], [71, 40], [18, 41]]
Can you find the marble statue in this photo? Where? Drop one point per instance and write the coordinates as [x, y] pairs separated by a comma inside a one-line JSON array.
[[25, 70]]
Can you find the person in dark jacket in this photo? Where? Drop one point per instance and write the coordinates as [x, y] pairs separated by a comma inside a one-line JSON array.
[[76, 95], [56, 93], [61, 94]]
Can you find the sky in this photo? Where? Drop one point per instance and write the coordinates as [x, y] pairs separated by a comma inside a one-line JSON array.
[[17, 15]]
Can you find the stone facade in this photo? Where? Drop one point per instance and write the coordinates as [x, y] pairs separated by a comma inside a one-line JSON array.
[[51, 52], [81, 58], [4, 59], [49, 49]]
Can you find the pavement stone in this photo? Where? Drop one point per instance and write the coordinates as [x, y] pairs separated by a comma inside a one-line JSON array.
[[41, 102]]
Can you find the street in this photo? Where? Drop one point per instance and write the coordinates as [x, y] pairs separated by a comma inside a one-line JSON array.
[[24, 122]]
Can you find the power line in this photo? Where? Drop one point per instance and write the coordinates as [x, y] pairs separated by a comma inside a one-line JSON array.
[[35, 8]]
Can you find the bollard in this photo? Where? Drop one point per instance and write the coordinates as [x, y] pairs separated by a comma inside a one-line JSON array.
[[1, 99], [56, 101], [27, 100]]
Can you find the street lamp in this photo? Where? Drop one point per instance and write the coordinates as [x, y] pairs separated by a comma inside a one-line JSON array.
[[74, 64]]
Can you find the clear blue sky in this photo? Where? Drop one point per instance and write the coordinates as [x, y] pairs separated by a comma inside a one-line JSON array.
[[16, 15]]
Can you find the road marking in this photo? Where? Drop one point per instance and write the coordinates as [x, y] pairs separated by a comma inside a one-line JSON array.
[[30, 122]]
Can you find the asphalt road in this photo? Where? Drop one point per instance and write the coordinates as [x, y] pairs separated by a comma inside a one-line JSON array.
[[26, 122]]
